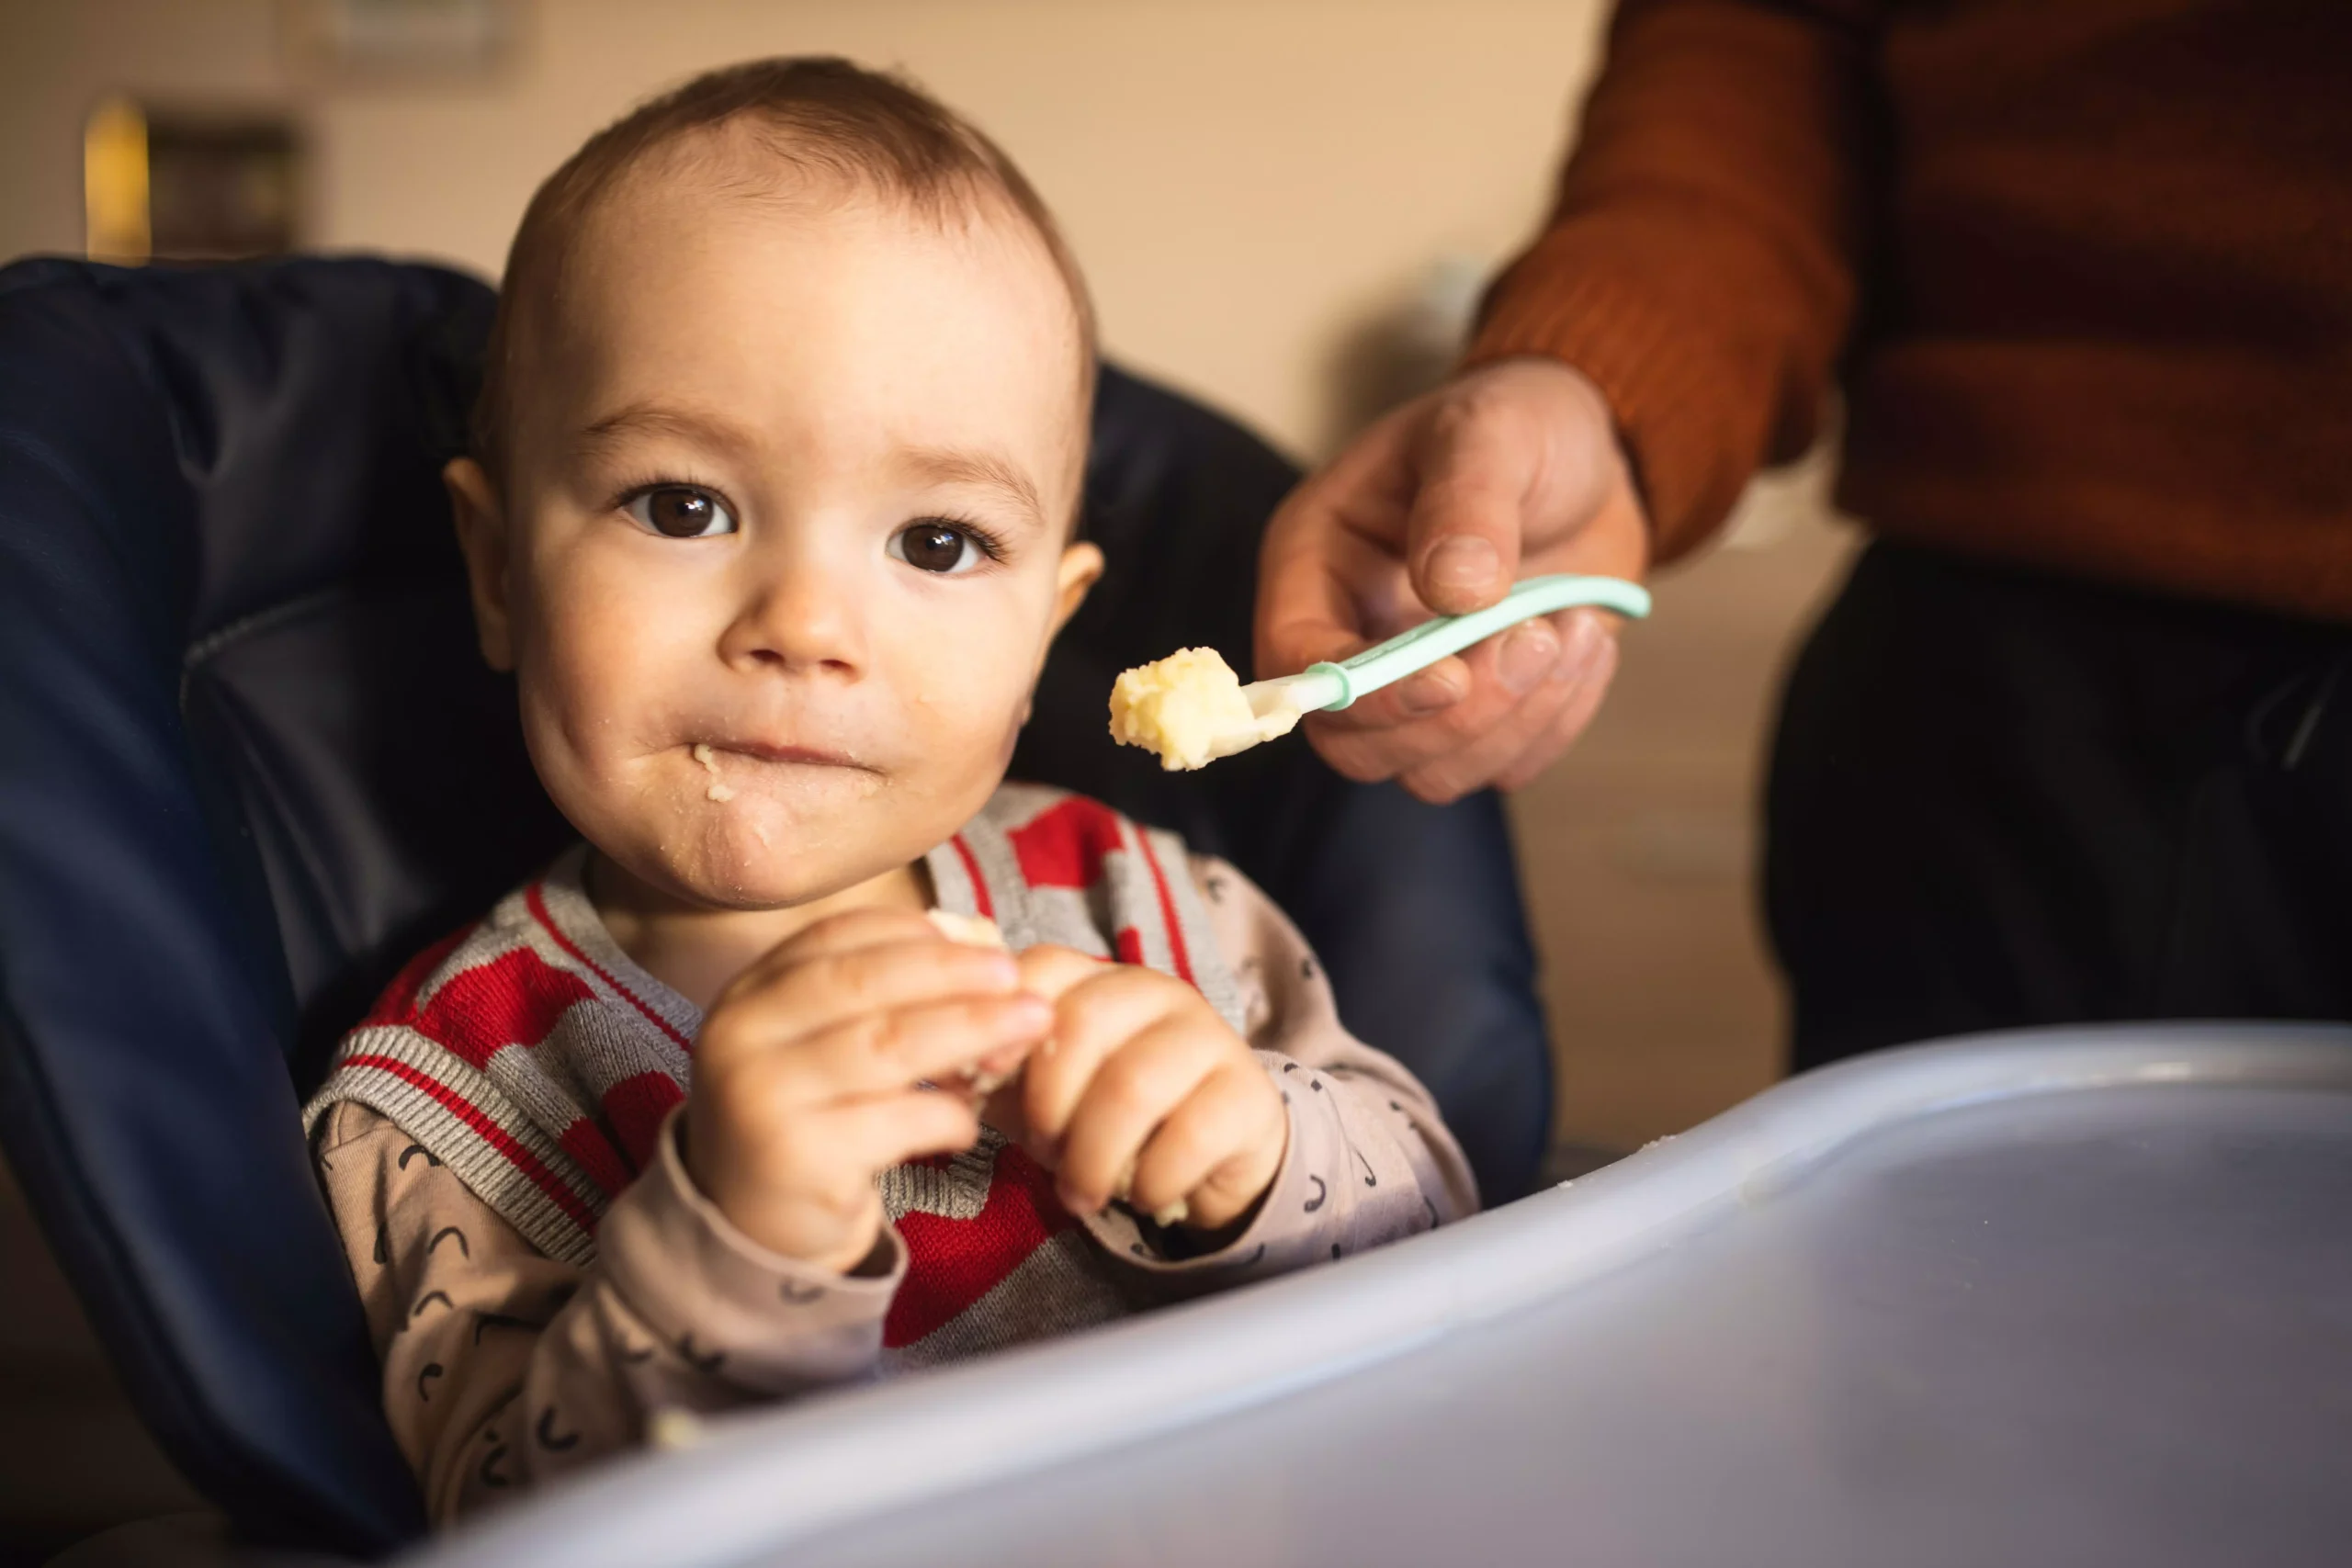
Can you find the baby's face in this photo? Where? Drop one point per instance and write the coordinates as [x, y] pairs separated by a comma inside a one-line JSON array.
[[792, 486]]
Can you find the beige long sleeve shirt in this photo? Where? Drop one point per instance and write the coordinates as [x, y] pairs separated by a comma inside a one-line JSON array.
[[503, 1367]]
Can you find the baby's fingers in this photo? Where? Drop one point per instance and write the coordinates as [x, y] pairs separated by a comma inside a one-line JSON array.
[[879, 1051], [1134, 1089], [1090, 1021], [1050, 971], [822, 993], [836, 934], [873, 1135], [1217, 1152]]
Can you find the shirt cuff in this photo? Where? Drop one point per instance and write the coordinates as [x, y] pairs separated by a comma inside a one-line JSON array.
[[1664, 392], [728, 1305]]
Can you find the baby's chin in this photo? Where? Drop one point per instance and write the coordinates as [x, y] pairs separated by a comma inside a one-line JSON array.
[[730, 865], [747, 853]]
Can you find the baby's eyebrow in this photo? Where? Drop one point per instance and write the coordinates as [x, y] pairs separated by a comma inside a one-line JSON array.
[[662, 419], [941, 465]]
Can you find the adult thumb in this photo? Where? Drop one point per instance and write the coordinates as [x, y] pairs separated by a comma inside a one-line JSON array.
[[1463, 536]]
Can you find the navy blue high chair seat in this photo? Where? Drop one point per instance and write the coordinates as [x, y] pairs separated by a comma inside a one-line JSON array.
[[249, 762]]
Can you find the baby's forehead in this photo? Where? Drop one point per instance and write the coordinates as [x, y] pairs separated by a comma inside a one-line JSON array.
[[691, 280], [744, 213], [703, 185]]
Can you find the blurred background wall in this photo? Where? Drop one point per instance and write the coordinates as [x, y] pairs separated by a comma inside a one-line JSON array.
[[1244, 179], [1285, 207]]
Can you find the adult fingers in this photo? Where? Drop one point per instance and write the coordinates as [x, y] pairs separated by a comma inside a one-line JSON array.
[[1216, 1152], [1456, 773], [1566, 725], [1440, 488], [1483, 758], [1133, 1089], [1506, 674], [1329, 568], [1477, 456], [1516, 461], [1394, 710]]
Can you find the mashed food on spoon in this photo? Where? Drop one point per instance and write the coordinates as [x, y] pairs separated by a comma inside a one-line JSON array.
[[1189, 708]]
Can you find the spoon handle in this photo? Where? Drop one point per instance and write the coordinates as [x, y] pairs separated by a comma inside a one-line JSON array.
[[1417, 649]]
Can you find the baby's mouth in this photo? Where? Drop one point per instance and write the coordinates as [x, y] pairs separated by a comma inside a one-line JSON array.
[[707, 753], [761, 750]]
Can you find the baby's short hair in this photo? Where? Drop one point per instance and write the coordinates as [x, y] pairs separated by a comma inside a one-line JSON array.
[[868, 130]]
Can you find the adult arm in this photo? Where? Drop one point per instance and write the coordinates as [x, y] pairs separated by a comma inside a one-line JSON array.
[[1699, 266]]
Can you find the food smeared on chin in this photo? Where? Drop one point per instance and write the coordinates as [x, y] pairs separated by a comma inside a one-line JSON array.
[[718, 790], [1190, 708]]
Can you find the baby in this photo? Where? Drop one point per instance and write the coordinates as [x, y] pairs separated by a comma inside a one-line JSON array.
[[772, 516]]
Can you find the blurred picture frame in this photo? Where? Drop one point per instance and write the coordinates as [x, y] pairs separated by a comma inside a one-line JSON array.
[[398, 40], [194, 185]]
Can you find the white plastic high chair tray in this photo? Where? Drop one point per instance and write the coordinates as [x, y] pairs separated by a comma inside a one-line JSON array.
[[2073, 1297]]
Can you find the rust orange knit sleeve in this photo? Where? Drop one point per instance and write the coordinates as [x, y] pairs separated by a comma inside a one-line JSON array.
[[1700, 262]]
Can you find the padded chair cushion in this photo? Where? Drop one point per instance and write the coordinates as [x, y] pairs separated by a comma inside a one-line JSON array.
[[249, 762], [194, 467]]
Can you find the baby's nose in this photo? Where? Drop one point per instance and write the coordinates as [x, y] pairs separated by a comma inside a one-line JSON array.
[[805, 621]]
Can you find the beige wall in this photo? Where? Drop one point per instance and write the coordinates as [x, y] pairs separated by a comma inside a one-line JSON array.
[[1245, 180], [1254, 187]]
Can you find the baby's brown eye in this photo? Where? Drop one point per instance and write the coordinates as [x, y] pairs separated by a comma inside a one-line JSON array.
[[681, 511], [934, 546]]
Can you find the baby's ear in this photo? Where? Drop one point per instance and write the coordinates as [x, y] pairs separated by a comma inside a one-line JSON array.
[[482, 535], [1080, 568]]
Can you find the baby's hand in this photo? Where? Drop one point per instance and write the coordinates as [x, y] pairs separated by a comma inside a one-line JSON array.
[[1145, 1093], [807, 1070]]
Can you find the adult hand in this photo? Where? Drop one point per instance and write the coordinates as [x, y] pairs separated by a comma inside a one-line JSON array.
[[1511, 470]]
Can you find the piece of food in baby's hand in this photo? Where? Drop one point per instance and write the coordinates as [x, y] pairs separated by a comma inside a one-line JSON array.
[[1167, 1214], [669, 1427], [972, 930], [1190, 708]]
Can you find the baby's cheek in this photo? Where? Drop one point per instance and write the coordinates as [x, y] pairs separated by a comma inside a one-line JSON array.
[[614, 661], [592, 712], [584, 701], [978, 741], [964, 717]]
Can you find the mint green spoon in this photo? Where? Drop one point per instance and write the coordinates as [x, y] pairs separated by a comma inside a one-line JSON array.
[[1205, 713], [1321, 687]]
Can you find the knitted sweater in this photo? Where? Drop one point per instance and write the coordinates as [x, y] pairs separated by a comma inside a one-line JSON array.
[[542, 1275], [2085, 269]]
